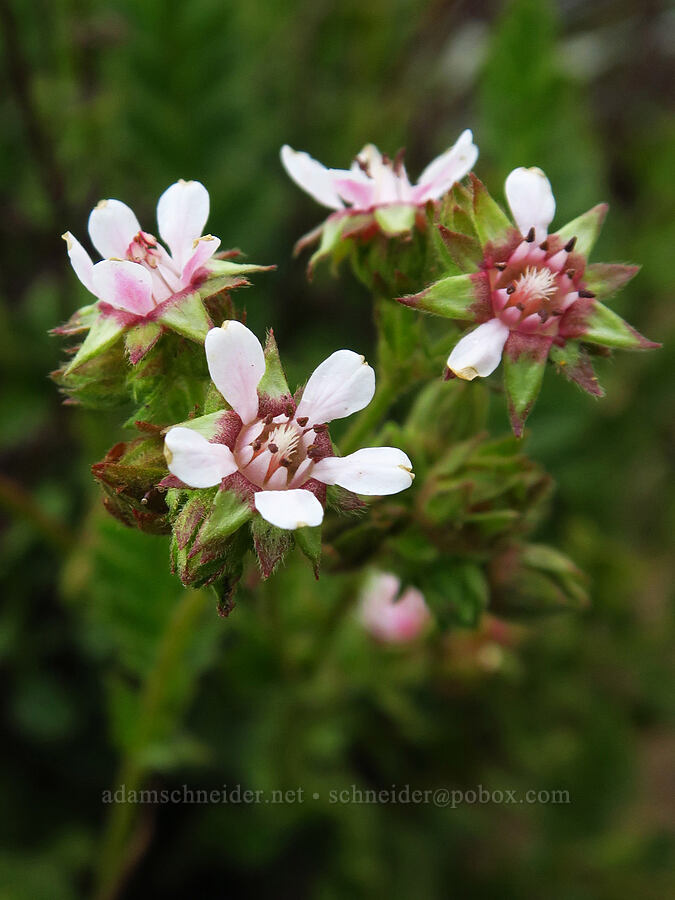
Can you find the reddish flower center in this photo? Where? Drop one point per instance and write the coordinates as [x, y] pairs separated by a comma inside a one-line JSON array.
[[534, 284], [144, 249]]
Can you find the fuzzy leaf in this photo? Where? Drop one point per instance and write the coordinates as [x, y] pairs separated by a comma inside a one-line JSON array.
[[489, 219], [395, 219], [585, 228], [465, 251], [605, 327], [330, 236], [450, 297], [188, 317], [271, 544]]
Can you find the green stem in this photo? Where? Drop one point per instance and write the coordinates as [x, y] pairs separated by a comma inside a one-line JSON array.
[[118, 846]]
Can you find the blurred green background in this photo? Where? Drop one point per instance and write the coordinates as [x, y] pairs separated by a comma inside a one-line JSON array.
[[103, 99]]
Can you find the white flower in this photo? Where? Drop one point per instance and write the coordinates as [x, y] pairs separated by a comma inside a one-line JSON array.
[[137, 273], [530, 288], [280, 455], [387, 618], [374, 180]]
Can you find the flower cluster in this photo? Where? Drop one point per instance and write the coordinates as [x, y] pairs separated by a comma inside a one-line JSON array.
[[229, 460]]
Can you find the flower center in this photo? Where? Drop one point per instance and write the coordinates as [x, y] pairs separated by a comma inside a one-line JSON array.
[[277, 452], [533, 286], [144, 249]]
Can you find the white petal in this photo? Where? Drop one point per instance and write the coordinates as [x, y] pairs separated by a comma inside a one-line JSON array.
[[236, 363], [196, 461], [448, 168], [112, 227], [311, 176], [203, 250], [531, 200], [289, 509], [373, 471], [480, 351], [123, 284], [182, 212], [343, 384], [80, 261]]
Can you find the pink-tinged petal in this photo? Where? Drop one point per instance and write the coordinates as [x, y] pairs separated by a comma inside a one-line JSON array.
[[112, 227], [196, 461], [388, 619], [289, 509], [123, 284], [311, 176], [80, 260], [373, 471], [531, 200], [236, 363], [448, 168], [343, 384], [203, 251], [182, 212], [480, 351], [357, 193]]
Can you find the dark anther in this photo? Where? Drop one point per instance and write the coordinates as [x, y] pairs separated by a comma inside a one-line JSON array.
[[273, 448], [290, 412], [530, 235], [570, 273], [588, 295], [323, 427], [285, 463], [500, 266], [256, 445], [302, 421], [556, 312], [569, 246], [269, 419], [520, 306], [543, 245], [511, 289]]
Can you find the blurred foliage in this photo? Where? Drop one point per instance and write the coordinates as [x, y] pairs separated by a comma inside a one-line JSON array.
[[103, 99]]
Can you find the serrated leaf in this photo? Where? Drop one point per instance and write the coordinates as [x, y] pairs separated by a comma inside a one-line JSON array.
[[273, 383], [104, 332], [187, 317], [271, 544], [603, 326], [605, 279], [574, 363], [524, 364], [450, 297], [489, 219], [139, 339], [227, 515]]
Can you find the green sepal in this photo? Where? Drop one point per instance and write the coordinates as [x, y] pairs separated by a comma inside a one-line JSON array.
[[330, 236], [572, 361], [207, 426], [187, 317], [227, 515], [524, 366], [395, 219], [585, 228], [104, 332], [309, 541], [139, 339], [605, 279], [273, 383], [450, 297], [81, 320], [465, 251], [271, 544], [603, 326], [225, 267], [489, 219]]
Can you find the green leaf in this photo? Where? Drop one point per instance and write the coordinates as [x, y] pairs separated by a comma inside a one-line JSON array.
[[205, 425], [450, 297], [465, 250], [188, 317], [573, 362], [605, 279], [490, 221], [330, 237], [105, 330], [271, 544], [227, 515], [585, 228], [141, 338], [395, 219], [273, 383], [309, 541], [604, 327], [524, 364]]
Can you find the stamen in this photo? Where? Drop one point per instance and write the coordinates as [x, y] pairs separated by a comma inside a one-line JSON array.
[[569, 246], [500, 266], [530, 235], [284, 440], [273, 448], [543, 245], [302, 421], [588, 295]]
